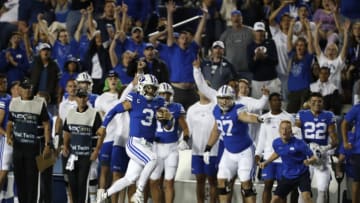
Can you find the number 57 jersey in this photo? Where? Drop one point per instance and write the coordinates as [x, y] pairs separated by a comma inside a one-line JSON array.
[[234, 132], [315, 128]]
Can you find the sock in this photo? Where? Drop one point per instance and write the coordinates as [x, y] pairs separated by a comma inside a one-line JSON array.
[[145, 174], [118, 186], [321, 197], [92, 190]]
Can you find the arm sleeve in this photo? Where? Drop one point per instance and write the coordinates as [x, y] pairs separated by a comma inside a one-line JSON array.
[[97, 123], [66, 127], [202, 85], [126, 92], [119, 108], [44, 116]]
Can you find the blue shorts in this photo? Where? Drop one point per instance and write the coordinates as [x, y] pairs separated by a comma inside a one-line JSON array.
[[354, 160], [199, 167], [105, 153], [272, 171], [119, 159]]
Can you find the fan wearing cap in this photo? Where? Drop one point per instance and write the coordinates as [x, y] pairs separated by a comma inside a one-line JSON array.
[[71, 70], [80, 128], [216, 68], [15, 60], [236, 39], [181, 55], [27, 112], [134, 42], [262, 57], [153, 65], [45, 73]]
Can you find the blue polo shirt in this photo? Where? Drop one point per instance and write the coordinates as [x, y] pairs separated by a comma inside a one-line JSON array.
[[60, 52], [293, 153], [123, 76], [180, 62], [130, 45], [354, 116]]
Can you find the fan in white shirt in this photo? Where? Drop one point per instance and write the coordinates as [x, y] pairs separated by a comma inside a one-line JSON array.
[[331, 56]]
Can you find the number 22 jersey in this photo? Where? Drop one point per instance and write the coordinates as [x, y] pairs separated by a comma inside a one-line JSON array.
[[315, 128]]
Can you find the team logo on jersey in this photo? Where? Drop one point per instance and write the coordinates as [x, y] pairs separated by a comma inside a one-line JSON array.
[[138, 101], [292, 149], [296, 69]]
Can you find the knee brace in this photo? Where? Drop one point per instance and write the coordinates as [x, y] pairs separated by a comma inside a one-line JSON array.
[[248, 192], [224, 190]]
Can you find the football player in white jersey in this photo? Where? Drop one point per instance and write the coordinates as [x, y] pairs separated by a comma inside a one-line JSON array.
[[268, 132]]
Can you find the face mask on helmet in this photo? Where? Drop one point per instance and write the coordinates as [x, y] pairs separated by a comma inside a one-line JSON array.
[[84, 80], [167, 90], [147, 86], [225, 97]]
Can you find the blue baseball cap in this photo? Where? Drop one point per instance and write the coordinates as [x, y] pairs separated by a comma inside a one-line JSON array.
[[149, 45], [236, 12], [112, 73]]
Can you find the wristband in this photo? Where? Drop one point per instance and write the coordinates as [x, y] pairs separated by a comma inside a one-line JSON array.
[[208, 148]]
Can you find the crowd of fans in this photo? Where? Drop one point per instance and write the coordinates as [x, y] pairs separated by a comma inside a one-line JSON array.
[[293, 47], [296, 40]]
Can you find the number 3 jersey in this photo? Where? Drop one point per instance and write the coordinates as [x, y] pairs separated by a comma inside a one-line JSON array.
[[314, 128], [142, 115], [235, 133]]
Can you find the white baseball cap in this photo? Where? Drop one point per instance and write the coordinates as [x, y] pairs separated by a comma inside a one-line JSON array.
[[259, 26], [44, 46], [218, 44]]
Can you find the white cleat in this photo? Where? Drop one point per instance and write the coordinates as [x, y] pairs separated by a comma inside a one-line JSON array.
[[101, 196], [138, 197]]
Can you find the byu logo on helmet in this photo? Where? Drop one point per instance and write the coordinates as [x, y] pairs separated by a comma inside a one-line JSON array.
[[225, 97], [148, 85]]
